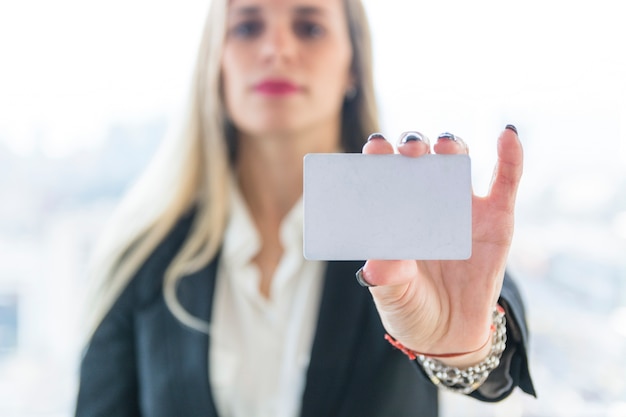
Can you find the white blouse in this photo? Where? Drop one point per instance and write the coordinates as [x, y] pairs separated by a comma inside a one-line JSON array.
[[260, 347]]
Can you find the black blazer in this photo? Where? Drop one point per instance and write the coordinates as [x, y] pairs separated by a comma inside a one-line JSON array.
[[141, 361]]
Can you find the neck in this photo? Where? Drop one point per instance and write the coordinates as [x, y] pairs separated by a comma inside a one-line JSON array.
[[269, 169]]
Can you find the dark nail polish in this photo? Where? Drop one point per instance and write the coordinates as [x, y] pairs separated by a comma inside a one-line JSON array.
[[375, 136], [511, 127], [447, 135], [411, 137], [361, 279]]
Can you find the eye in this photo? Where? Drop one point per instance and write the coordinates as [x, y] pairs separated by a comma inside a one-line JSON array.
[[247, 29], [308, 29]]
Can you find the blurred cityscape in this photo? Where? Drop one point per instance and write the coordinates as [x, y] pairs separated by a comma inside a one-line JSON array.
[[51, 213], [571, 269]]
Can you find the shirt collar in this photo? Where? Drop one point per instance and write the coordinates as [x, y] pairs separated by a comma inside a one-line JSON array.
[[242, 241]]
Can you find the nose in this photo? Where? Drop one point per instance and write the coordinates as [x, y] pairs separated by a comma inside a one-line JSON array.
[[279, 44]]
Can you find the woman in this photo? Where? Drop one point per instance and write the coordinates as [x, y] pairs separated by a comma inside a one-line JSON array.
[[213, 247]]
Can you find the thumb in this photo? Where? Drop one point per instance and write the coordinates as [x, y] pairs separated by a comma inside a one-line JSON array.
[[389, 280]]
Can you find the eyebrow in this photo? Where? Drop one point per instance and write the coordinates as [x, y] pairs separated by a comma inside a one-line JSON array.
[[256, 10], [309, 10]]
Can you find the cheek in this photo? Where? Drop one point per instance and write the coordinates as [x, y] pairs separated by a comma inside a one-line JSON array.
[[229, 80], [341, 59], [338, 76]]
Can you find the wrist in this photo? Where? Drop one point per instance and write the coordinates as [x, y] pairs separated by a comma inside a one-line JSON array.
[[469, 359], [463, 372], [457, 358], [466, 379]]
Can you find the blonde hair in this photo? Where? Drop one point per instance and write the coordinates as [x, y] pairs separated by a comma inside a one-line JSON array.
[[191, 170]]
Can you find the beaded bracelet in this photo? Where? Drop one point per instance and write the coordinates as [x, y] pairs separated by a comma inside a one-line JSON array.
[[459, 380]]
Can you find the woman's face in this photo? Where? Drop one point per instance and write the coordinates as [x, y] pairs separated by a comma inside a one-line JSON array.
[[285, 65]]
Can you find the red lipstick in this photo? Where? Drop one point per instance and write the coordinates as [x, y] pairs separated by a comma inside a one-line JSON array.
[[276, 87]]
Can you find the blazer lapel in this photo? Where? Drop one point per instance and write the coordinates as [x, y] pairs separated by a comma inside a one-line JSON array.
[[334, 346], [335, 340]]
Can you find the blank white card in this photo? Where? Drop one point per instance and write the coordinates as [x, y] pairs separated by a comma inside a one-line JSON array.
[[359, 207]]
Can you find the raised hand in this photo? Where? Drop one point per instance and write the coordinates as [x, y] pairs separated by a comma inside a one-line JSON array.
[[445, 307]]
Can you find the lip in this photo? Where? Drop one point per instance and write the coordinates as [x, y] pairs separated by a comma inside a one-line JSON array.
[[276, 87]]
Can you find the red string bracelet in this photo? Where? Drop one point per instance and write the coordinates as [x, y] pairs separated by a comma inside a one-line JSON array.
[[412, 354]]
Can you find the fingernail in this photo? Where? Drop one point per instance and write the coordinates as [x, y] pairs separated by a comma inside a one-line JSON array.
[[447, 135], [375, 136], [361, 280], [412, 137], [511, 127]]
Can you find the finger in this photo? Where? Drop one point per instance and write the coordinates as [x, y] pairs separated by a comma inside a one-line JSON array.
[[508, 171], [413, 144], [378, 273], [377, 144], [447, 143], [390, 281]]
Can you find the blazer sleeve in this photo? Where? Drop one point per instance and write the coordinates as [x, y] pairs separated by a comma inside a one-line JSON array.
[[513, 370]]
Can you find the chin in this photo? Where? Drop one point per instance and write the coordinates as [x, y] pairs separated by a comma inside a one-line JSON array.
[[276, 126]]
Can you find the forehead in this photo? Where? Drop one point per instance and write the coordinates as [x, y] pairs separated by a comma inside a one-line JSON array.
[[286, 5]]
